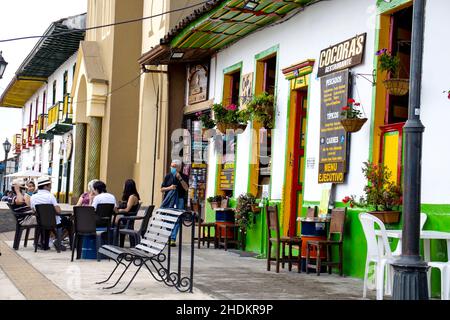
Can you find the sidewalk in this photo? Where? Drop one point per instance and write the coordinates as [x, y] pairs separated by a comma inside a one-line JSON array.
[[218, 275]]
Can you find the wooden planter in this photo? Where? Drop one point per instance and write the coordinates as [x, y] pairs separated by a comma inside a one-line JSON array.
[[223, 127], [397, 86], [387, 216], [353, 125]]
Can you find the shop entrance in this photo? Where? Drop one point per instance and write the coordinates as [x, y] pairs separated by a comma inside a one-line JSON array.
[[296, 160]]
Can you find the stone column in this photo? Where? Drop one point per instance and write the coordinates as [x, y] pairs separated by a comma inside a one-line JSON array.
[[93, 155], [80, 159]]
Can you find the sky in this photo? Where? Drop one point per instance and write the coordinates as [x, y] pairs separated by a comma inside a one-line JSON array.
[[24, 18]]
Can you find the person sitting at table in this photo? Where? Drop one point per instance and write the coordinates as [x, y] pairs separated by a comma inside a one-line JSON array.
[[31, 189], [44, 196], [101, 195], [130, 199], [19, 205], [87, 197]]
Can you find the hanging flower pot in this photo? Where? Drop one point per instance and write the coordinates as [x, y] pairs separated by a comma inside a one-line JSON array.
[[353, 125], [397, 86], [387, 216], [223, 127]]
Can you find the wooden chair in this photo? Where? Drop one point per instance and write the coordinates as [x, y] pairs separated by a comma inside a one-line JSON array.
[[204, 228], [336, 227], [280, 242]]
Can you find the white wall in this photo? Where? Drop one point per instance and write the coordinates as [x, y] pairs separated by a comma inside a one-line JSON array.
[[299, 39]]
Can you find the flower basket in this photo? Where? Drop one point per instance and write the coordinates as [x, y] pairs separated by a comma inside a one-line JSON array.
[[397, 86], [242, 127], [387, 216], [353, 125], [223, 127]]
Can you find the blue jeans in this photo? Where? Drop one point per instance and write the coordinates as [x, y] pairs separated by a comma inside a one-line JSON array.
[[180, 205]]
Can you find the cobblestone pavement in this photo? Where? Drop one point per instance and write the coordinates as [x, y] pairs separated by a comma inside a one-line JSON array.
[[219, 274]]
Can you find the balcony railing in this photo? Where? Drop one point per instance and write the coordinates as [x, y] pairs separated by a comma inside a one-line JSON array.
[[24, 138], [17, 143], [60, 117], [42, 127]]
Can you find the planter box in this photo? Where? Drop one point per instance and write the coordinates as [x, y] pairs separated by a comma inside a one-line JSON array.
[[387, 216]]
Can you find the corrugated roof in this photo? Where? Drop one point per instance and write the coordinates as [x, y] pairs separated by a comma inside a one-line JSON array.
[[45, 58]]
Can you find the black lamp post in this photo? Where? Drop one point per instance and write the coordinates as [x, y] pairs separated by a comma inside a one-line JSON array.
[[3, 65], [410, 271], [7, 149]]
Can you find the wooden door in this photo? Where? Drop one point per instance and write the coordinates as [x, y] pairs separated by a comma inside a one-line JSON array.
[[297, 160]]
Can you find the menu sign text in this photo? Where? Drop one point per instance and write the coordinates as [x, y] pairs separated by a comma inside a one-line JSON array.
[[333, 137]]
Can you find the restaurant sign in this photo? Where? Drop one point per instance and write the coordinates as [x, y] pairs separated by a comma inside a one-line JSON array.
[[333, 137], [343, 55]]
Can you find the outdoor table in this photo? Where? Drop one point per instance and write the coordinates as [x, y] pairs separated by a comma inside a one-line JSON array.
[[313, 229], [426, 236]]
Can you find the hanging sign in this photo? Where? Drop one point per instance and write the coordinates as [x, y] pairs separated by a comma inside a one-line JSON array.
[[197, 84], [344, 55], [333, 138]]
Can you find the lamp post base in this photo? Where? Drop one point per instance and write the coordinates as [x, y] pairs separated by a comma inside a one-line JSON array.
[[410, 279]]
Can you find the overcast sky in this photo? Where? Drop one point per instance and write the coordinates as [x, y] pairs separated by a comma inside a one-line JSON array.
[[24, 18]]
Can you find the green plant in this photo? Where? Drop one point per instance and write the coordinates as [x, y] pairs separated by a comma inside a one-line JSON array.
[[216, 198], [206, 120], [244, 213], [230, 114], [388, 62], [349, 111], [261, 109], [381, 193]]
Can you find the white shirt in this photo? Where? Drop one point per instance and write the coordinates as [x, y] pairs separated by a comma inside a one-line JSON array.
[[103, 198], [44, 197]]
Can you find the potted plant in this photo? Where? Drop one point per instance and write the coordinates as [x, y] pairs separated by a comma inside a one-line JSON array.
[[261, 108], [382, 195], [230, 117], [207, 122], [215, 201], [352, 120], [245, 217], [391, 64]]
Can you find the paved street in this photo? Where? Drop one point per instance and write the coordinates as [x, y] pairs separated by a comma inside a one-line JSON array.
[[218, 275]]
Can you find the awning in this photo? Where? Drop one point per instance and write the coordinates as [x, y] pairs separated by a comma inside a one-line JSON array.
[[217, 25], [45, 58]]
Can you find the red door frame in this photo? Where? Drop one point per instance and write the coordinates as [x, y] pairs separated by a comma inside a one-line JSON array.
[[393, 128], [298, 153]]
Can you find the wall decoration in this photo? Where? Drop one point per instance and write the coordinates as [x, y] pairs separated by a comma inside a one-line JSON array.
[[197, 84]]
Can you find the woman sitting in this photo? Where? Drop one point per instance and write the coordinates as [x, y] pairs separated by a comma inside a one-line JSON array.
[[87, 197], [19, 205], [31, 189], [130, 199]]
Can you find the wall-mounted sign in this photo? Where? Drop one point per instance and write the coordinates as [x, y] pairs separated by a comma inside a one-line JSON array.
[[247, 88], [197, 84], [227, 177], [333, 137], [343, 55]]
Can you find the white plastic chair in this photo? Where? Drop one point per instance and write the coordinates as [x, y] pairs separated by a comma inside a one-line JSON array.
[[378, 253], [444, 267], [398, 249]]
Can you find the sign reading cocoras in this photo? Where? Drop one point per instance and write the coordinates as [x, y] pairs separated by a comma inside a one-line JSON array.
[[341, 56], [333, 138]]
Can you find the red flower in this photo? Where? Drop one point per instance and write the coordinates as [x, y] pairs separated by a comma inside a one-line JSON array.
[[351, 205], [351, 100], [346, 199], [357, 104], [449, 95], [231, 107], [346, 108]]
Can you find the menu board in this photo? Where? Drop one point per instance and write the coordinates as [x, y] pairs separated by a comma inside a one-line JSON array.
[[227, 177], [333, 137]]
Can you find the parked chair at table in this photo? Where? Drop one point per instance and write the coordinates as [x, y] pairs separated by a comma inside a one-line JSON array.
[[86, 225], [104, 216], [204, 228], [280, 242], [336, 228], [135, 236], [20, 227], [118, 223], [380, 255], [46, 219]]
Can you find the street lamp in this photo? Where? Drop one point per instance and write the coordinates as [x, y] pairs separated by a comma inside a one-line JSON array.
[[3, 65], [7, 149]]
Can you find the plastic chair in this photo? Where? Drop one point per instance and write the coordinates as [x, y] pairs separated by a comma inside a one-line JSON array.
[[104, 215], [378, 253], [135, 236], [444, 267], [85, 225], [46, 218], [398, 249]]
